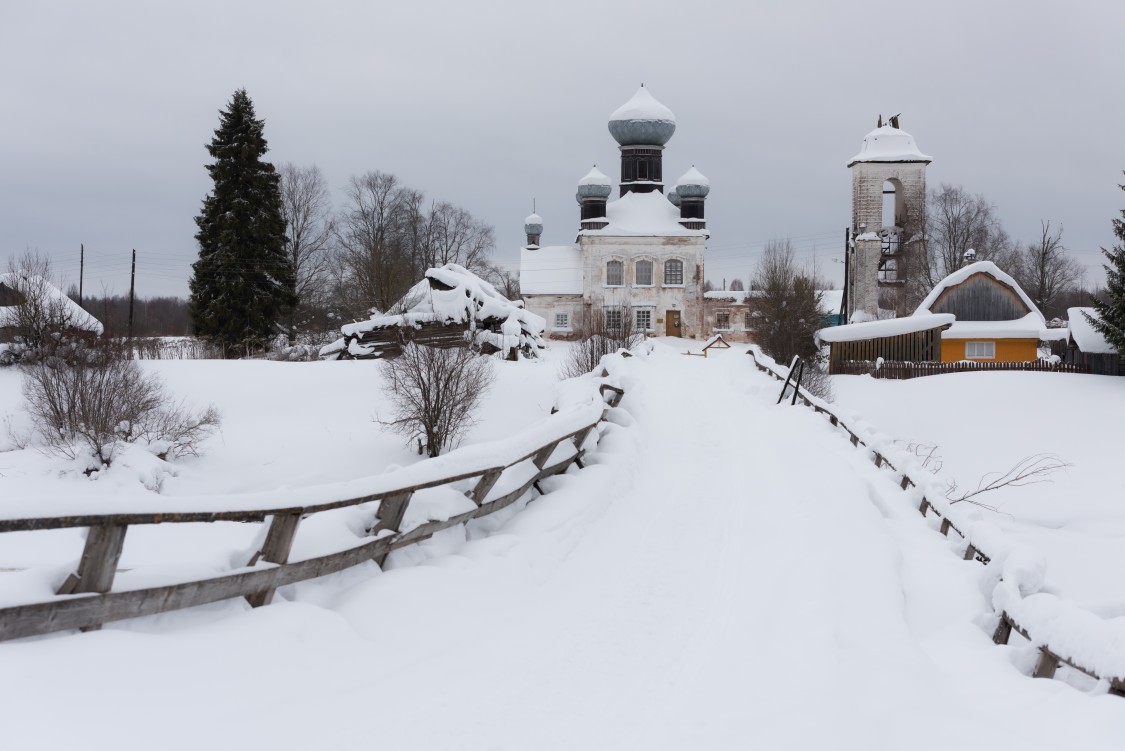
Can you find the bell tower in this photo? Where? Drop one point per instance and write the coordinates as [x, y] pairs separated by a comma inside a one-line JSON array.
[[888, 208]]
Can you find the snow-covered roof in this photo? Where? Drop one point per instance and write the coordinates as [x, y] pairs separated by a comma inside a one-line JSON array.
[[643, 215], [731, 295], [551, 270], [854, 332], [595, 177], [693, 177], [980, 267], [643, 106], [1028, 327], [52, 295], [831, 300], [888, 144], [1088, 339]]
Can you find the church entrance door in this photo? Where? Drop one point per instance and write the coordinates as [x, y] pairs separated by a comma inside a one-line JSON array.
[[673, 323]]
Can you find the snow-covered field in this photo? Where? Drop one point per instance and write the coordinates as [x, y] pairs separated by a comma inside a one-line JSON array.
[[724, 573], [986, 422]]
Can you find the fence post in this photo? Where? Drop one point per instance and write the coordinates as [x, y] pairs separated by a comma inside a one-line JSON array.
[[1003, 630], [1047, 664], [279, 541], [98, 564], [485, 484], [391, 511]]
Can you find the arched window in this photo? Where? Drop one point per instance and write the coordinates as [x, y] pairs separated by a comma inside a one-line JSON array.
[[615, 274], [673, 272], [644, 274]]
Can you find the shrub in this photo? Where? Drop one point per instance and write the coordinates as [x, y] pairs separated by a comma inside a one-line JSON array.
[[599, 335]]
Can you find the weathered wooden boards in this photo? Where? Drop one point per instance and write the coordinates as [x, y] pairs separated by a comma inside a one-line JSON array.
[[1048, 661], [89, 601]]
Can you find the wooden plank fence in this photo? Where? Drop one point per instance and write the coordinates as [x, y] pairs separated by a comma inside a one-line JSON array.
[[86, 600], [903, 370], [1049, 659]]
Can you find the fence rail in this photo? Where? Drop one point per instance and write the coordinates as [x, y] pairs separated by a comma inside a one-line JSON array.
[[1049, 658], [903, 370], [85, 600]]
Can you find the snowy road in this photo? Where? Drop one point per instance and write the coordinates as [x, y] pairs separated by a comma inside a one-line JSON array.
[[725, 573]]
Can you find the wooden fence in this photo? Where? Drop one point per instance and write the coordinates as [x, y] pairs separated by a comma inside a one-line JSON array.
[[1049, 659], [85, 600], [901, 370]]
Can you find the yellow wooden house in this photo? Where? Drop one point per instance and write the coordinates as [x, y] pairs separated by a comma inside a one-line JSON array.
[[995, 319]]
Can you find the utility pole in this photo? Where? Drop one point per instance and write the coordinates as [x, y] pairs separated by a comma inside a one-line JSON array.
[[132, 287], [81, 269], [844, 301]]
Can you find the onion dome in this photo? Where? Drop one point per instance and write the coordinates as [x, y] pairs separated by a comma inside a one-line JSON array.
[[642, 121], [692, 184], [889, 144], [594, 185], [674, 197], [533, 225]]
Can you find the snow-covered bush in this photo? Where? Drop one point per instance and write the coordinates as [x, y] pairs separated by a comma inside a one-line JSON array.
[[90, 400], [434, 393], [598, 335]]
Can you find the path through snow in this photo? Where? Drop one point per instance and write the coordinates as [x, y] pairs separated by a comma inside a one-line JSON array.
[[725, 573]]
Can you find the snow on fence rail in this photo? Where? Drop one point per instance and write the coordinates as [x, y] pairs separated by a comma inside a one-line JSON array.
[[902, 370], [504, 470], [1063, 632]]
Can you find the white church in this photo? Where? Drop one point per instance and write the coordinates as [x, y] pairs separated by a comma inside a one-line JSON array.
[[640, 255]]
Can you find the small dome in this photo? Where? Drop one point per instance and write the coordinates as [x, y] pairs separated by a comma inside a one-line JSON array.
[[642, 121], [674, 197], [533, 225], [889, 144], [693, 184], [594, 185]]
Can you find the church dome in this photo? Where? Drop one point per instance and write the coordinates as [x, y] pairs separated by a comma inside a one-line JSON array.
[[595, 184], [674, 197], [692, 184], [533, 225], [642, 121], [889, 144]]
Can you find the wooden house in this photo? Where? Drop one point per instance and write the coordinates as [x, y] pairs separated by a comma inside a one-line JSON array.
[[1086, 345], [996, 320], [916, 338]]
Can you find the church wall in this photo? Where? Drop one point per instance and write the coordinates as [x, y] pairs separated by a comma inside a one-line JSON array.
[[688, 298], [551, 306]]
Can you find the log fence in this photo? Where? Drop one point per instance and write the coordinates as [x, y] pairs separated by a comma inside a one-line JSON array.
[[1049, 658], [86, 599]]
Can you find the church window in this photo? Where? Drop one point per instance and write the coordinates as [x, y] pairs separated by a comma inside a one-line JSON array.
[[722, 319], [644, 274], [562, 321], [614, 320], [644, 319], [615, 274], [673, 272]]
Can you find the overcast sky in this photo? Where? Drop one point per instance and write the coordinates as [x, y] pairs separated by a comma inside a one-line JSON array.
[[108, 106]]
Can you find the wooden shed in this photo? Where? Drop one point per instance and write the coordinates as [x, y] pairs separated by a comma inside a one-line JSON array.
[[996, 320], [1086, 345], [916, 338]]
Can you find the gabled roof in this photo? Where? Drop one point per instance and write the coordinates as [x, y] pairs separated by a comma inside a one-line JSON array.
[[643, 215], [980, 267], [551, 270], [21, 282], [1088, 339]]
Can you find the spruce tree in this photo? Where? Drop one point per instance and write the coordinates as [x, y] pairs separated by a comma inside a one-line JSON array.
[[1112, 312], [243, 284]]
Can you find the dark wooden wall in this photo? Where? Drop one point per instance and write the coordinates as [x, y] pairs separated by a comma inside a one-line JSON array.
[[921, 346], [981, 297]]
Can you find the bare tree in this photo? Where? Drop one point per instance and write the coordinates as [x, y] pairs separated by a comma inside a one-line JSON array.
[[434, 393], [34, 315], [1045, 271], [956, 221], [306, 208], [92, 399], [601, 332], [454, 236], [785, 314], [505, 281]]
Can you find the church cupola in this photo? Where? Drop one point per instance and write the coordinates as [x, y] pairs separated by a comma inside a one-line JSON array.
[[692, 189], [641, 127], [533, 226], [593, 192]]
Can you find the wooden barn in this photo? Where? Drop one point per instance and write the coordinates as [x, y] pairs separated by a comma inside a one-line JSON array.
[[1086, 345], [996, 320], [853, 348]]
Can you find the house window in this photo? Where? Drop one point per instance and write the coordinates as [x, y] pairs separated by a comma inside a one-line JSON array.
[[749, 318], [562, 321], [644, 274], [673, 272], [722, 319], [980, 350], [614, 320], [615, 274], [644, 319]]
